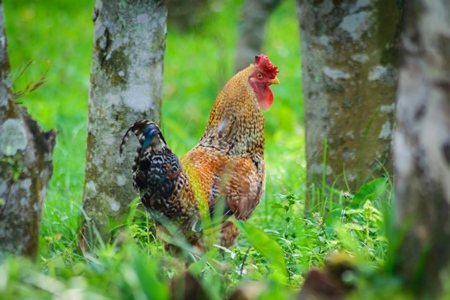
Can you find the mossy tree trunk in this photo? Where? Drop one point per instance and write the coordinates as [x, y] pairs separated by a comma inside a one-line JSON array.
[[25, 167], [349, 65], [126, 86], [422, 146]]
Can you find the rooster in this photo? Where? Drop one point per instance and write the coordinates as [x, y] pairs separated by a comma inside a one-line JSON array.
[[224, 175]]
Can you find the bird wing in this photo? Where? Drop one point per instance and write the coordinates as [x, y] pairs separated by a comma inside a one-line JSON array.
[[245, 186], [239, 180]]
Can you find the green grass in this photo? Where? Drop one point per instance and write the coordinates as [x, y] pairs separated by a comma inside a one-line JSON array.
[[197, 64]]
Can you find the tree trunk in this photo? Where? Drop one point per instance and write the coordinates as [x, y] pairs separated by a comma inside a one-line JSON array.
[[251, 30], [422, 145], [25, 167], [126, 86], [349, 66]]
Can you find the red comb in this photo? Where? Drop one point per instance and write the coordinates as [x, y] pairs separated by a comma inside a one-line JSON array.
[[265, 64]]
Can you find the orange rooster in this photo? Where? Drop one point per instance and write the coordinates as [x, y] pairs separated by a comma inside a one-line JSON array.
[[227, 163]]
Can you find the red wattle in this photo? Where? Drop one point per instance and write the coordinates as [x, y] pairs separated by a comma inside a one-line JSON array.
[[267, 100]]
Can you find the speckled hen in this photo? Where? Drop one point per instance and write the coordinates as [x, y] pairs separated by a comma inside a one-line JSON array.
[[227, 163]]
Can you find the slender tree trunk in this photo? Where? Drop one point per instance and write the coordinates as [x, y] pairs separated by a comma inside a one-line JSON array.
[[422, 145], [126, 86], [25, 167], [254, 17], [349, 66]]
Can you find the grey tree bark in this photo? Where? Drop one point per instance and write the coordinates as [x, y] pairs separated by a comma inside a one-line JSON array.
[[255, 14], [422, 145], [25, 167], [349, 66], [126, 86]]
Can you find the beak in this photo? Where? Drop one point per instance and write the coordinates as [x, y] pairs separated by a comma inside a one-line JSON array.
[[275, 81]]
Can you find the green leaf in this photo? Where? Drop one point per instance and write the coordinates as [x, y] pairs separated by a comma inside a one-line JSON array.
[[265, 245], [381, 239], [277, 205], [332, 217], [144, 279], [370, 190], [197, 267], [55, 264], [353, 226], [353, 211]]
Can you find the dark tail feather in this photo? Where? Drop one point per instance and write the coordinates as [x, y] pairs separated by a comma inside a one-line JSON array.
[[137, 128], [227, 212]]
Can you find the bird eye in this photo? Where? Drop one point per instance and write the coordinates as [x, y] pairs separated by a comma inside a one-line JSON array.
[[259, 75]]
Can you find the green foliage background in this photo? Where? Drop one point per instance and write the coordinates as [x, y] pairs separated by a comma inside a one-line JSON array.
[[58, 35]]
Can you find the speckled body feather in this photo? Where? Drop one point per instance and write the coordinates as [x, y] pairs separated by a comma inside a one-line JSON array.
[[227, 163]]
